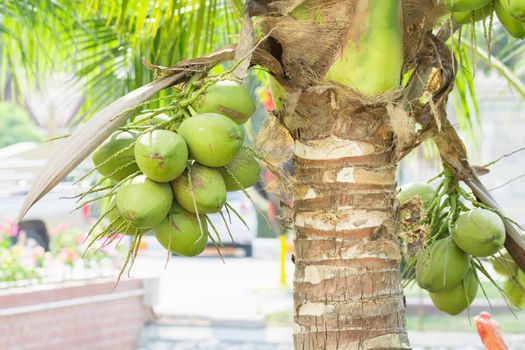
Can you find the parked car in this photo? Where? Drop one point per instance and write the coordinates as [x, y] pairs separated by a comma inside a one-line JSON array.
[[19, 165]]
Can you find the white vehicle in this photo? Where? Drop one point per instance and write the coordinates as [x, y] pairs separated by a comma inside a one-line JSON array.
[[19, 165]]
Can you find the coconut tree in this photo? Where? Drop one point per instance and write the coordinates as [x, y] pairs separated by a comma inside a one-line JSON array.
[[359, 84]]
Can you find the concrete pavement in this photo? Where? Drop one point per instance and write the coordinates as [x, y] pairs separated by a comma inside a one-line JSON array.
[[239, 289], [167, 336], [207, 304]]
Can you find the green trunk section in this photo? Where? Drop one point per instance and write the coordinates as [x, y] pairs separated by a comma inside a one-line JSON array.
[[373, 57]]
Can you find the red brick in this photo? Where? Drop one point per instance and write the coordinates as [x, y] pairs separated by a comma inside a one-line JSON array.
[[114, 324]]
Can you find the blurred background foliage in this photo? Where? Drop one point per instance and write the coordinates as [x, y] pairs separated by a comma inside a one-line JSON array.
[[16, 125], [100, 46], [102, 43]]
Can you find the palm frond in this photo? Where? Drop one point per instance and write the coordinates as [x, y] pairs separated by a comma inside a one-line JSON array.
[[506, 58], [103, 42]]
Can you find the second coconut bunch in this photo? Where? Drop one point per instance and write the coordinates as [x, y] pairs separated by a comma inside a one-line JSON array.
[[168, 177], [451, 232]]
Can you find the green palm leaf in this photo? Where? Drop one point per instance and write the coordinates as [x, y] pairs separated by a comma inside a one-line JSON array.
[[103, 43]]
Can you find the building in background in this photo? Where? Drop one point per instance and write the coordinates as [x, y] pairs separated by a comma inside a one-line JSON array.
[[500, 131]]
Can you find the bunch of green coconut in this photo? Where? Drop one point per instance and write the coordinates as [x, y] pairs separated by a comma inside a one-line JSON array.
[[458, 232], [511, 13], [166, 172], [514, 283]]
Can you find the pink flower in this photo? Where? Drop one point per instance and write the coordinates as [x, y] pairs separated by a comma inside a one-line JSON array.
[[109, 249], [39, 255], [59, 228], [86, 210], [9, 227], [38, 252], [68, 255], [80, 238], [13, 229]]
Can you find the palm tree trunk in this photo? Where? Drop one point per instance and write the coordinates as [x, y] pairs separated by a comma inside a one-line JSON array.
[[347, 292], [339, 59]]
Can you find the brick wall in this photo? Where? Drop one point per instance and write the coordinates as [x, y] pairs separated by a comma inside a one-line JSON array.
[[81, 315]]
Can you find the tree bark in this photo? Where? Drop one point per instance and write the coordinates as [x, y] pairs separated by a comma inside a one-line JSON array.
[[341, 59], [347, 292]]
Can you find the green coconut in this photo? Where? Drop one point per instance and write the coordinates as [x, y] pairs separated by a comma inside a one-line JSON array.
[[467, 17], [511, 24], [180, 232], [244, 168], [504, 265], [479, 232], [207, 188], [514, 292], [457, 299], [144, 203], [520, 277], [441, 266], [465, 5], [228, 98], [421, 189], [517, 9], [118, 141], [161, 155], [213, 139], [118, 224]]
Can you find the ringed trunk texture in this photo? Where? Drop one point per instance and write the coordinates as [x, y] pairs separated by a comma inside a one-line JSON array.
[[342, 61], [347, 290]]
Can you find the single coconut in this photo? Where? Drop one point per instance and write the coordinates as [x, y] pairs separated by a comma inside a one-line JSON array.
[[245, 170], [144, 203], [467, 17], [441, 266], [228, 98], [465, 5], [118, 224], [479, 232], [161, 155], [457, 299], [420, 189], [514, 292], [517, 9], [511, 24], [207, 188], [107, 158], [180, 232], [213, 139], [504, 265]]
